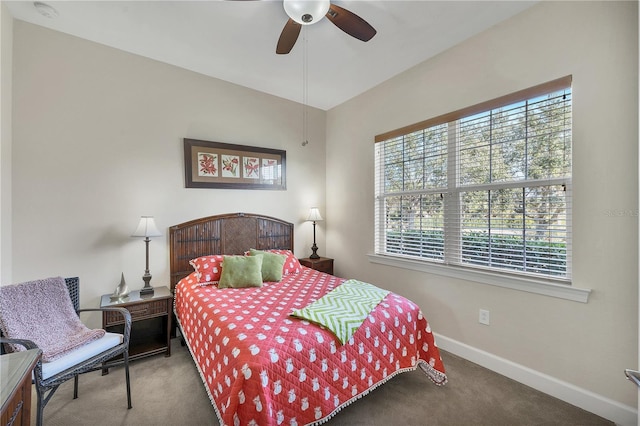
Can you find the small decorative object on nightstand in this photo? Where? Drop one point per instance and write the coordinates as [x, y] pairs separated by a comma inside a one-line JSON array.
[[121, 291], [314, 216], [151, 322], [146, 228], [322, 264]]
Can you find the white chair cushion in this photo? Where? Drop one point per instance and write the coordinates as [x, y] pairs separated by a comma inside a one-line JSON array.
[[109, 340]]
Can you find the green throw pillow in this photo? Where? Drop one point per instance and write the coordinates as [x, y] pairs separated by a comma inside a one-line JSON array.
[[241, 271], [272, 264]]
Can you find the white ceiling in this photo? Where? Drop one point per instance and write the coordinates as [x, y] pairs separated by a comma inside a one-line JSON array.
[[236, 40]]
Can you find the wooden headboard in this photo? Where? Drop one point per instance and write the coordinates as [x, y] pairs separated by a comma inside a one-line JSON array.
[[232, 233]]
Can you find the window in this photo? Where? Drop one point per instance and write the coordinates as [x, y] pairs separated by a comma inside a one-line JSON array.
[[487, 187]]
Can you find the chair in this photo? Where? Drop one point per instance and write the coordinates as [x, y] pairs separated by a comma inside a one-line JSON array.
[[83, 359]]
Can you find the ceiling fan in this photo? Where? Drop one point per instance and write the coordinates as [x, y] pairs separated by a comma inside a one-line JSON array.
[[307, 12]]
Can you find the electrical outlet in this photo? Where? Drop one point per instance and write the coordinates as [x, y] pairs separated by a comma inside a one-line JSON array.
[[483, 317]]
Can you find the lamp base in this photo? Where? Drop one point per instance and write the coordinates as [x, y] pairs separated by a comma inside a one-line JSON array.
[[146, 291], [314, 249]]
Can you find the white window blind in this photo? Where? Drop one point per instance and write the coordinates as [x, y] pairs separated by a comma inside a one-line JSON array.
[[486, 187]]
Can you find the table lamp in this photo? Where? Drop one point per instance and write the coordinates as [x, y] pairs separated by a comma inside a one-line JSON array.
[[314, 216], [146, 228]]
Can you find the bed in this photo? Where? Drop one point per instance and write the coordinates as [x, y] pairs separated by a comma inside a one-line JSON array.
[[262, 366]]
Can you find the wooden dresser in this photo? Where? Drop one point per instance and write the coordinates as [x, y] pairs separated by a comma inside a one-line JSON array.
[[15, 390]]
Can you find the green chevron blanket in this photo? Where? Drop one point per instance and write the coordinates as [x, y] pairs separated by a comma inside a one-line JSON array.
[[344, 308]]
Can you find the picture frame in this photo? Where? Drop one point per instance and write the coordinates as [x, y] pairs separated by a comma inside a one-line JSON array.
[[220, 165]]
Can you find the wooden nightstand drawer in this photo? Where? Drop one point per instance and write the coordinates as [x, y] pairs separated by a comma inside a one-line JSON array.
[[326, 267], [139, 311], [323, 264]]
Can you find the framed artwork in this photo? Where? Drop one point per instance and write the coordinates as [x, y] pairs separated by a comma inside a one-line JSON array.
[[220, 165]]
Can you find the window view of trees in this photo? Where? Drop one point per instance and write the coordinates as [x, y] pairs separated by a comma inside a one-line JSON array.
[[488, 190]]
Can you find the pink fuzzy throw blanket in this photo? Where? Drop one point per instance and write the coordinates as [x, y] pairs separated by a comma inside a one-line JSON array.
[[41, 311]]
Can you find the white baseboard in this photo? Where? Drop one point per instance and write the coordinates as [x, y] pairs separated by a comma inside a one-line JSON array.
[[618, 413]]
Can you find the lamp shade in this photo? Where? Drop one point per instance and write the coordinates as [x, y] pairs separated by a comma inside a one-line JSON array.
[[146, 228], [306, 12], [314, 215]]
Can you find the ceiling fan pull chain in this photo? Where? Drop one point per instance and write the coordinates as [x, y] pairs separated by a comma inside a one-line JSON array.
[[305, 88]]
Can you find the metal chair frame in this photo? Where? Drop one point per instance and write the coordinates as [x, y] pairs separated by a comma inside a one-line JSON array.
[[45, 388]]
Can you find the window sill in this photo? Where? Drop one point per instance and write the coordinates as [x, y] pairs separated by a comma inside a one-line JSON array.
[[530, 285]]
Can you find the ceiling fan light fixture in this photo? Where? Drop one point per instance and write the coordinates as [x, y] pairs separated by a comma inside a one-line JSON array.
[[306, 12]]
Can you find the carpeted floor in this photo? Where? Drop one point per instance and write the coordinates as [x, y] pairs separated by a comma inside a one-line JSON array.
[[168, 391]]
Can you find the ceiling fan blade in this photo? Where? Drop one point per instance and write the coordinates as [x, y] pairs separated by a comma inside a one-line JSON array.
[[288, 37], [350, 23]]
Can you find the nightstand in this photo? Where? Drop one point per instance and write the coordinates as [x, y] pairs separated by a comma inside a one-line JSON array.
[[323, 264], [150, 321]]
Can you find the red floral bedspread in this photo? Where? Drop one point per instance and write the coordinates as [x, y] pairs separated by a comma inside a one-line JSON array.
[[262, 367]]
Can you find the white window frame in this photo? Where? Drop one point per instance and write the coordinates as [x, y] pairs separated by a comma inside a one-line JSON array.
[[550, 286]]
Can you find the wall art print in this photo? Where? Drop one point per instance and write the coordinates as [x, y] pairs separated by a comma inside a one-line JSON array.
[[219, 165]]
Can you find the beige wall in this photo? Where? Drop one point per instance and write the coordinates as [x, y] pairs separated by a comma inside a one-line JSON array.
[[587, 345], [6, 51], [98, 143]]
